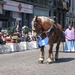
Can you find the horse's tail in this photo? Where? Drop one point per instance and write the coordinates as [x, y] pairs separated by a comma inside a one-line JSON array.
[[61, 30]]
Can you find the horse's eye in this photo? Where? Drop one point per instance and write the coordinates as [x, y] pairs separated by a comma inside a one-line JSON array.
[[35, 25]]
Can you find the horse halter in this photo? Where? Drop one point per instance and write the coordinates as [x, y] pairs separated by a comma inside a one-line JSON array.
[[38, 23]]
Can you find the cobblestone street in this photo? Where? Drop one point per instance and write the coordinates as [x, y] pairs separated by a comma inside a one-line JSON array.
[[26, 63]]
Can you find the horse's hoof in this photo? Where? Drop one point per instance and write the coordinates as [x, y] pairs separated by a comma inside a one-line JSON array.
[[40, 62], [56, 59], [48, 62]]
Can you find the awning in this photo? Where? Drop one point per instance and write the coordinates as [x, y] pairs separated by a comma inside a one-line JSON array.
[[6, 18]]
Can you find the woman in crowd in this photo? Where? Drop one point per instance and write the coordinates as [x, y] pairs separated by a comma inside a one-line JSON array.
[[69, 38]]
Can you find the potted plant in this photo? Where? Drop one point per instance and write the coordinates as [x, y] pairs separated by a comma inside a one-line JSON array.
[[25, 29], [11, 30]]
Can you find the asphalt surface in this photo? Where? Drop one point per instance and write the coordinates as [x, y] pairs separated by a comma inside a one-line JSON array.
[[26, 63]]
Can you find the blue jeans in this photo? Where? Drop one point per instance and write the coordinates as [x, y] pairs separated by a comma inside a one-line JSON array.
[[69, 44]]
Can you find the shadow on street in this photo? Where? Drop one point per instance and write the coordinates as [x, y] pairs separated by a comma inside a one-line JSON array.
[[64, 60]]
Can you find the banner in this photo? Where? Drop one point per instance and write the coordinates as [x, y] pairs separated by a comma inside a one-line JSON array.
[[43, 42]]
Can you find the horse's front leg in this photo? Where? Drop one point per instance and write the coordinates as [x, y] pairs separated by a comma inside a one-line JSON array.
[[50, 57], [41, 59], [57, 49]]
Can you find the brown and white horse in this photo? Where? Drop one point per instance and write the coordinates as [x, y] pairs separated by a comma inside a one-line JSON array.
[[44, 27]]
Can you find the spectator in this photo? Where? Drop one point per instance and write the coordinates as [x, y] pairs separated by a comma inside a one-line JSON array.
[[18, 30], [15, 38], [25, 30], [69, 38], [22, 37], [2, 40], [27, 38], [34, 38], [8, 38], [30, 35]]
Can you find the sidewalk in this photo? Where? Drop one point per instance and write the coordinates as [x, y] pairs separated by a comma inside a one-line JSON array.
[[23, 46]]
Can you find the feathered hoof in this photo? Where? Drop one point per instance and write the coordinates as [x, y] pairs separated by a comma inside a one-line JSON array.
[[48, 62], [40, 62]]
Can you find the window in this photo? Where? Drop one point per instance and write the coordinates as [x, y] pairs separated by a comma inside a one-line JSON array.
[[54, 2]]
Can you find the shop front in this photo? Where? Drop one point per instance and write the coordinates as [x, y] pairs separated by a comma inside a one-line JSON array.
[[1, 4], [20, 11]]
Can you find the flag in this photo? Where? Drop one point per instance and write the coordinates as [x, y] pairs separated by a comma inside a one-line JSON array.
[[43, 42]]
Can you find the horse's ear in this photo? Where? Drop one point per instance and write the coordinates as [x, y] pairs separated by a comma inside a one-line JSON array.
[[35, 18]]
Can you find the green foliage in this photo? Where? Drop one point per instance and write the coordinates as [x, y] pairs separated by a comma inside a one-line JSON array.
[[25, 30], [11, 30]]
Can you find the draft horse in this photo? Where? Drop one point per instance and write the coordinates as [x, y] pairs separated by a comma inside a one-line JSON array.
[[44, 27]]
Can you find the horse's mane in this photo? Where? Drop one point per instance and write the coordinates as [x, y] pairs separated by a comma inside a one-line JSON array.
[[44, 19]]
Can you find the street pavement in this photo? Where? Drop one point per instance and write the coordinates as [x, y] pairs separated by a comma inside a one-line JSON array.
[[26, 63]]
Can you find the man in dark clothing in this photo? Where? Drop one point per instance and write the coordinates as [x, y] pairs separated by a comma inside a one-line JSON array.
[[27, 38], [1, 41]]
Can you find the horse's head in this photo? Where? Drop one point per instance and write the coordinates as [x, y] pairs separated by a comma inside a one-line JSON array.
[[36, 25], [41, 23]]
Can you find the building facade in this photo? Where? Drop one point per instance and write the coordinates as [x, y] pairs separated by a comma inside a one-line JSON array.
[[40, 7], [70, 16], [24, 11], [59, 8], [1, 10]]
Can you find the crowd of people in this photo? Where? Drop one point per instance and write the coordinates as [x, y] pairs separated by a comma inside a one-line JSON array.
[[24, 34], [21, 34]]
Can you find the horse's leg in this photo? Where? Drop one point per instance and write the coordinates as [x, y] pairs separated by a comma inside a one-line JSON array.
[[41, 59], [50, 57], [57, 49]]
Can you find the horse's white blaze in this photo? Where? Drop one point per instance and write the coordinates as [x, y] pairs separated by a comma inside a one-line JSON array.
[[33, 28]]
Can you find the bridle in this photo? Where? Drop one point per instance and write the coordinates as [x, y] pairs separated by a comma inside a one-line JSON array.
[[36, 25]]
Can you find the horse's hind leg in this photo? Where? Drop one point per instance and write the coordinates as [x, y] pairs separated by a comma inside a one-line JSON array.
[[57, 48], [50, 57], [41, 59]]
